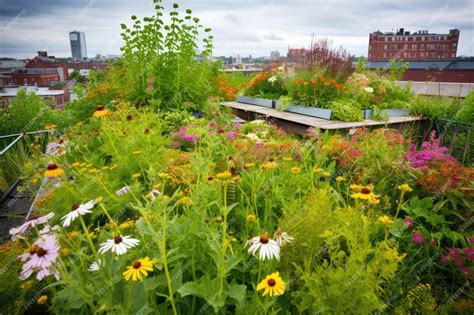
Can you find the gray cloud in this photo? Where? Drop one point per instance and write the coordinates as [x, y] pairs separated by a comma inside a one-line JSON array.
[[240, 27]]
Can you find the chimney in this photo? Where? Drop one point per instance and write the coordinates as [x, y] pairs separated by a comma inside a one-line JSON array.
[[43, 53]]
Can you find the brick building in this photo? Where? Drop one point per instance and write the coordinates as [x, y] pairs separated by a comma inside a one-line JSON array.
[[39, 77], [296, 54], [414, 46], [56, 96]]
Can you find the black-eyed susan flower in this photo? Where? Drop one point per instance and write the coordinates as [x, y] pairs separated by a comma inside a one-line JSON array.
[[327, 174], [288, 158], [266, 247], [339, 179], [269, 166], [282, 238], [365, 193], [138, 270], [249, 165], [272, 285], [53, 171], [101, 111], [251, 218], [295, 170]]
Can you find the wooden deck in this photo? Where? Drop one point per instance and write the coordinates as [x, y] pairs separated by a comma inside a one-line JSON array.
[[300, 123]]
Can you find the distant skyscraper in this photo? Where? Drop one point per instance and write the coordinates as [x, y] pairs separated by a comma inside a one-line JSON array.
[[274, 55], [78, 44]]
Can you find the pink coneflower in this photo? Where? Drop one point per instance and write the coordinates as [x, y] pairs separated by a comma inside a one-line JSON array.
[[230, 135], [417, 238], [46, 253], [149, 88], [175, 144], [19, 232], [408, 222]]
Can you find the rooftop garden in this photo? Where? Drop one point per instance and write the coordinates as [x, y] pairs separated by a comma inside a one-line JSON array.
[[154, 201]]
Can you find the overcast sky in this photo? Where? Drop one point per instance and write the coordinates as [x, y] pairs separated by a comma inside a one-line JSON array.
[[240, 27]]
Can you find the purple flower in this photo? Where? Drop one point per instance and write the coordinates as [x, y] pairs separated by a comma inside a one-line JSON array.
[[41, 258], [469, 253], [19, 232], [408, 222], [445, 259], [175, 144], [149, 88], [230, 135], [417, 238], [454, 252]]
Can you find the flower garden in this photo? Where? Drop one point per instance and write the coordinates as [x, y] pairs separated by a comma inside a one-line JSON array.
[[150, 209]]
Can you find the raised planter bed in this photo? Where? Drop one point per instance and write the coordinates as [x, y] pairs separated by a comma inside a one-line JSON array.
[[390, 112], [310, 111]]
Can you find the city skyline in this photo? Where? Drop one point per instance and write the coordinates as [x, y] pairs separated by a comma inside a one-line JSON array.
[[27, 27]]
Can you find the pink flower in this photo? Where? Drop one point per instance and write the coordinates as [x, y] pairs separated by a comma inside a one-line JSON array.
[[445, 259], [149, 88], [469, 253], [417, 238], [230, 135], [471, 240], [41, 258], [408, 222], [20, 231], [175, 144]]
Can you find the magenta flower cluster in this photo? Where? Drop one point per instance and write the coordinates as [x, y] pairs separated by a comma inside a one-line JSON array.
[[456, 255], [431, 152], [182, 136]]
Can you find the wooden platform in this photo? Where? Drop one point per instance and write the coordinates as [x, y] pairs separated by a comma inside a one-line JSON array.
[[300, 123]]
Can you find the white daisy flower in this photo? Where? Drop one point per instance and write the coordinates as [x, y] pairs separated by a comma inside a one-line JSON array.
[[95, 266], [76, 211], [154, 193], [369, 89], [123, 191], [119, 244], [268, 248], [282, 237]]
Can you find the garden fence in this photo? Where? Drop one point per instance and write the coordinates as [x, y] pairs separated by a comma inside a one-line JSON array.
[[456, 136]]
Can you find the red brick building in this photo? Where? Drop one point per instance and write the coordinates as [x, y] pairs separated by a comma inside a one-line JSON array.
[[39, 77], [415, 46], [296, 54]]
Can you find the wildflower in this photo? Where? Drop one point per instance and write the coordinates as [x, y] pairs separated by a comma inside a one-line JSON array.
[[369, 89], [138, 270], [251, 218], [127, 224], [339, 179], [231, 135], [123, 191], [408, 222], [469, 254], [100, 112], [273, 285], [268, 248], [365, 193], [136, 175], [249, 165], [42, 299], [76, 164], [118, 244], [385, 220], [149, 88], [76, 211], [405, 188], [445, 259], [295, 170], [49, 127], [432, 243], [269, 166], [417, 238], [19, 232], [185, 201], [40, 258], [282, 237], [53, 171], [317, 169], [288, 158], [326, 174], [224, 175], [175, 144], [218, 220], [95, 266], [72, 234]]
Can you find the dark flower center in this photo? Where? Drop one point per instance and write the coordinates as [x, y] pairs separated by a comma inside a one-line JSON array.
[[99, 108], [129, 117], [137, 264], [271, 282], [210, 178], [146, 131], [117, 239], [74, 206], [264, 239], [33, 250], [52, 166], [41, 252], [365, 191]]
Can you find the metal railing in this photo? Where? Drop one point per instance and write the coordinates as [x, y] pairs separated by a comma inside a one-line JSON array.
[[17, 138]]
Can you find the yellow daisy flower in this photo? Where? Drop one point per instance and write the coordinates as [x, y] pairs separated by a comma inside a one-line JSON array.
[[405, 188], [224, 175], [100, 112], [295, 170], [272, 285], [249, 165], [288, 158], [326, 174], [136, 175], [385, 220], [339, 179], [138, 270], [53, 171], [251, 218]]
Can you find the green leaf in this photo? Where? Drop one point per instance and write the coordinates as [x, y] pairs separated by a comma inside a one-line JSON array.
[[237, 292]]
